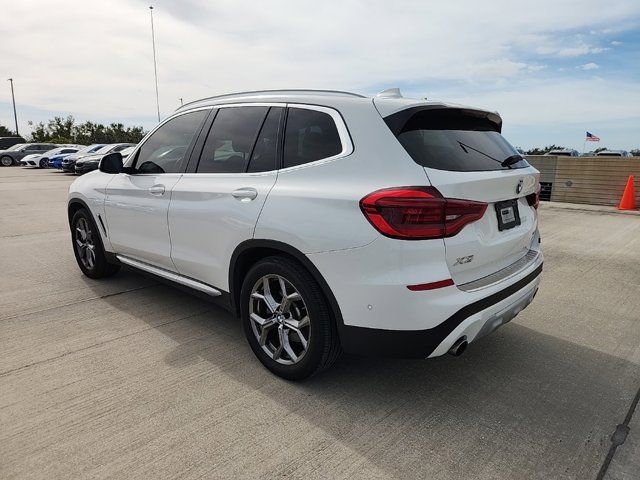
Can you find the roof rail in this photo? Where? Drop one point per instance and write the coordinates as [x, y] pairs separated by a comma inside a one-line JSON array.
[[282, 91]]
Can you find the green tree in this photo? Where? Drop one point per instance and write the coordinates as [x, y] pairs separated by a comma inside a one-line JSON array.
[[5, 132], [601, 149], [635, 152], [543, 150], [66, 130], [39, 132]]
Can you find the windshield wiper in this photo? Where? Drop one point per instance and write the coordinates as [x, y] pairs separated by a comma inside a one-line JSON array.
[[507, 162]]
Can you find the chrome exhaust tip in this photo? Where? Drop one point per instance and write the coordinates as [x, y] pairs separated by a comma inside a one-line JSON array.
[[459, 347]]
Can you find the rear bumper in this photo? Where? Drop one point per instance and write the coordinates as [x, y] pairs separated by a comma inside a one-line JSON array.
[[380, 315], [472, 321]]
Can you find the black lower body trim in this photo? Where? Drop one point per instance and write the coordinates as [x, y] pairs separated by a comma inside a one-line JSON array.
[[420, 343]]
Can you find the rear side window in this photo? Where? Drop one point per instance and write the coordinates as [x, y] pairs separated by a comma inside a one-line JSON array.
[[230, 140], [166, 148], [310, 135], [455, 140]]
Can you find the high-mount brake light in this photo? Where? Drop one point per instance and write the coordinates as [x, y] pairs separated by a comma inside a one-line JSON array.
[[418, 213]]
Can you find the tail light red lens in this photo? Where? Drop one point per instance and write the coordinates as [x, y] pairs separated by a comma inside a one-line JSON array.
[[533, 199], [419, 213]]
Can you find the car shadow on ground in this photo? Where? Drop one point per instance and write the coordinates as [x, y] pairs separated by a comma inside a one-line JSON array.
[[518, 401]]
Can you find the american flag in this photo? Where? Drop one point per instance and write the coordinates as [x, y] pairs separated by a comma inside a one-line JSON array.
[[592, 138]]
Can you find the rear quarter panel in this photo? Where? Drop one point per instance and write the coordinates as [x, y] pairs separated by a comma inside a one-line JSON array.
[[315, 207]]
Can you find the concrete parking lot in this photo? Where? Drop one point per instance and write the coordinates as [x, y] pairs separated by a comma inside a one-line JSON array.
[[129, 378]]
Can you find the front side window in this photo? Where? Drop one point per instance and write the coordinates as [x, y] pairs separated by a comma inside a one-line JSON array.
[[231, 139], [165, 150], [310, 135]]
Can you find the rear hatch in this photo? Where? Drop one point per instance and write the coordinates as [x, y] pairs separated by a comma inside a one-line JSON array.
[[463, 154]]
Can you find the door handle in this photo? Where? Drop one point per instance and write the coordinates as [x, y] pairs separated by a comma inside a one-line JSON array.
[[156, 190], [245, 194]]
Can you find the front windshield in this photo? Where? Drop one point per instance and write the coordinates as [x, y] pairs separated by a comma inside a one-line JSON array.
[[104, 149], [17, 146]]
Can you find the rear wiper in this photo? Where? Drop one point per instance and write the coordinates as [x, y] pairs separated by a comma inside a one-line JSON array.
[[512, 160], [507, 162]]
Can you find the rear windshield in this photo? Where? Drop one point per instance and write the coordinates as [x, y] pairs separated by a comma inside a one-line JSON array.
[[455, 139]]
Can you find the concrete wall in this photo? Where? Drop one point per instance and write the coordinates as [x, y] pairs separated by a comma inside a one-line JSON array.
[[591, 180]]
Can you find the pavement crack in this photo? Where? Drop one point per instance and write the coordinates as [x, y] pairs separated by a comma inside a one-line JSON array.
[[89, 347], [84, 300], [619, 436]]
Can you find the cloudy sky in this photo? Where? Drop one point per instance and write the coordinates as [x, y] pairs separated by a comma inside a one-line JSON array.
[[552, 68]]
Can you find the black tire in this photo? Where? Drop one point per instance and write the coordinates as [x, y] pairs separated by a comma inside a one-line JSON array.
[[43, 163], [6, 161], [323, 343], [100, 267]]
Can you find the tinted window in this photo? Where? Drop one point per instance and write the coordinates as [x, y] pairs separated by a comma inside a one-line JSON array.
[[265, 151], [456, 141], [230, 140], [310, 135], [165, 150]]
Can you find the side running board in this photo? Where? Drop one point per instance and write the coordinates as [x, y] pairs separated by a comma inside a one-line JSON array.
[[174, 277]]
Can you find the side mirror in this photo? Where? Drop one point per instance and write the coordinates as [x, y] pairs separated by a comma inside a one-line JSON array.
[[111, 163]]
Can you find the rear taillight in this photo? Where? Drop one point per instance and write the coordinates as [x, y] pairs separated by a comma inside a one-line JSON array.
[[533, 199], [419, 213]]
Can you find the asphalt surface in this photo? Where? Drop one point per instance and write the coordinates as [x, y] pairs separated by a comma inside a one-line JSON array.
[[128, 378]]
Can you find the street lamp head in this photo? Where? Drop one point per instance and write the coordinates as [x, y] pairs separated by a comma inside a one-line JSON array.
[[150, 7]]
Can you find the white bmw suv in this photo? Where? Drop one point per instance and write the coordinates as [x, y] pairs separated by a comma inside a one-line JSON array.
[[327, 221]]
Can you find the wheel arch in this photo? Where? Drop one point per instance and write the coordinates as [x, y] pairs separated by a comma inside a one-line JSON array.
[[249, 252], [74, 205]]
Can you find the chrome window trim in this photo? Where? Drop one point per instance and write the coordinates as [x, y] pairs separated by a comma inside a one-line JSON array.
[[133, 154], [341, 127], [343, 133]]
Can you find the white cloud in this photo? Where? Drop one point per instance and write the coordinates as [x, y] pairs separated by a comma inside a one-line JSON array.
[[567, 52], [589, 66], [616, 43], [93, 59], [549, 101]]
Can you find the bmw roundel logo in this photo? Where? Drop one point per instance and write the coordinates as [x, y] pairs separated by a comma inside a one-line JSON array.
[[519, 186]]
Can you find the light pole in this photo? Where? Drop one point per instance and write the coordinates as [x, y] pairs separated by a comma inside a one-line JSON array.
[[13, 98], [155, 68]]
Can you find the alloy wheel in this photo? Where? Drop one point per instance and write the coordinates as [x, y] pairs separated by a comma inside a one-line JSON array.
[[85, 243], [279, 319]]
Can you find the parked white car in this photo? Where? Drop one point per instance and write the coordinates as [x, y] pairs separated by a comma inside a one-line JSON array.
[[613, 153], [327, 221], [41, 160]]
